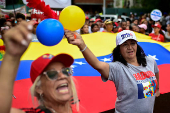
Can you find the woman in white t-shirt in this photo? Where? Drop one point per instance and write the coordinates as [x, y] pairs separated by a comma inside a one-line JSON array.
[[135, 75]]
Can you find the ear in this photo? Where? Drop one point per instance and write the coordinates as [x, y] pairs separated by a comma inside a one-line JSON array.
[[39, 90]]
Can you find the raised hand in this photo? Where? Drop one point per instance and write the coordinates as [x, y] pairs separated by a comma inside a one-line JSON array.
[[74, 38], [18, 38]]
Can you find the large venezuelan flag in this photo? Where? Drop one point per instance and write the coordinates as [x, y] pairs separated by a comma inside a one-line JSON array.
[[95, 96]]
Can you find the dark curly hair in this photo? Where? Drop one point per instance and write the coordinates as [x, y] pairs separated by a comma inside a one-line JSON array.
[[140, 56]]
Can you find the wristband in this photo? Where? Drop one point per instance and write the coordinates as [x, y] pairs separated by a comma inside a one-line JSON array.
[[84, 49]]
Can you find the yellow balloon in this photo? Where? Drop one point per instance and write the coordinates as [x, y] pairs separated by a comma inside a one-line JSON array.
[[1, 42], [72, 18]]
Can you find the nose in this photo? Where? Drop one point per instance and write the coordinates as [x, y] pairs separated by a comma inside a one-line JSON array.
[[129, 46], [61, 76]]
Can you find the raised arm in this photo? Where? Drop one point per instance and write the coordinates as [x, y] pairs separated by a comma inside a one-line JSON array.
[[101, 67], [17, 40]]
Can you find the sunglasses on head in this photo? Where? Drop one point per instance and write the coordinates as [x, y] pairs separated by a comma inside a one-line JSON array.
[[53, 74]]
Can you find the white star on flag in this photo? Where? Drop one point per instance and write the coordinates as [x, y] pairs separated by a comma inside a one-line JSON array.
[[106, 59], [153, 56], [73, 66], [80, 63]]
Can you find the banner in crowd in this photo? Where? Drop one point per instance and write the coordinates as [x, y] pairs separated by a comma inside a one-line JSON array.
[[2, 3], [55, 3], [38, 15], [17, 10], [94, 94]]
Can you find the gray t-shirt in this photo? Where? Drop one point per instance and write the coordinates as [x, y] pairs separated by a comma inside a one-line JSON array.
[[135, 86]]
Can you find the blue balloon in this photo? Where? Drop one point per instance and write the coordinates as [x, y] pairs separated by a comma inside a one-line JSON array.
[[50, 32]]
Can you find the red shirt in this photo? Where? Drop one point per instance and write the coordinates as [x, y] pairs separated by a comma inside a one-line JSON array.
[[159, 37], [120, 29]]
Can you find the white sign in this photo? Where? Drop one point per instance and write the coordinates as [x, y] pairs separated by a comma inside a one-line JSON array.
[[55, 3], [156, 15], [18, 10]]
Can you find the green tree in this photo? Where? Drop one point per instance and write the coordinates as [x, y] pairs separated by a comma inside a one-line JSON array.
[[163, 5], [10, 2]]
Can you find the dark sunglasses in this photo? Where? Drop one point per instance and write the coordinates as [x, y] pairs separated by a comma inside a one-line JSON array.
[[53, 74]]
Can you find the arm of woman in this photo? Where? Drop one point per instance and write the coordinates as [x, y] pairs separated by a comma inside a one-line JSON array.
[[157, 90], [16, 41], [101, 67]]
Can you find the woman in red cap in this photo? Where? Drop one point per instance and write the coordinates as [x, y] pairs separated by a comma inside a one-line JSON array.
[[157, 35], [51, 76]]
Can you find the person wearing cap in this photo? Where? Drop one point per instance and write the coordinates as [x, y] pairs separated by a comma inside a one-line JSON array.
[[142, 28], [157, 35], [87, 20], [108, 26], [51, 76], [115, 27], [136, 76], [99, 22]]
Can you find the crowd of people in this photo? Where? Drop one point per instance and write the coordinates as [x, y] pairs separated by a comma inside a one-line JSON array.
[[159, 30], [136, 76], [11, 20]]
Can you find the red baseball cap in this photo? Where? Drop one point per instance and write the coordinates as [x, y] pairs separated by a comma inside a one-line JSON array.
[[157, 25], [38, 65], [87, 18], [98, 20]]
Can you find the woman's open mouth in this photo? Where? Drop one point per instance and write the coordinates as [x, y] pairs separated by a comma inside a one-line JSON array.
[[63, 88]]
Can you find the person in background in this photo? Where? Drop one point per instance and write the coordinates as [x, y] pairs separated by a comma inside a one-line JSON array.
[[163, 20], [135, 28], [142, 28], [115, 27], [158, 22], [20, 17], [34, 36], [158, 35], [131, 16], [167, 34], [134, 22], [108, 26], [123, 26], [84, 29], [91, 21], [99, 22], [87, 20], [94, 28], [119, 21], [9, 23], [144, 21], [128, 24], [150, 24], [12, 19]]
